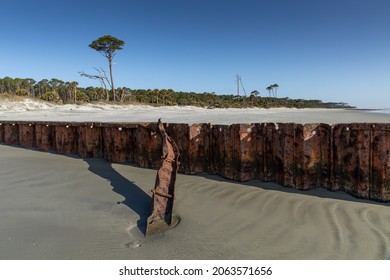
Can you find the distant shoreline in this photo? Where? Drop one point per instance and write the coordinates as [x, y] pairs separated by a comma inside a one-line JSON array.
[[38, 110]]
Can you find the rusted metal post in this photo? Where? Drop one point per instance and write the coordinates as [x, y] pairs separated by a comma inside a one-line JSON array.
[[66, 138], [1, 132], [162, 217], [45, 136], [27, 135], [11, 133]]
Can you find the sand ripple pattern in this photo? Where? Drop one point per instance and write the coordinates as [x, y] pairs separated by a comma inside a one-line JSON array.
[[259, 223], [55, 207]]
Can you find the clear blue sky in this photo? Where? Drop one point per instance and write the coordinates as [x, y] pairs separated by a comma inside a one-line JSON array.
[[333, 50]]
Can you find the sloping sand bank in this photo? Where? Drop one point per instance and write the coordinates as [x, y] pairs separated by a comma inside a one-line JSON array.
[[58, 207], [35, 110]]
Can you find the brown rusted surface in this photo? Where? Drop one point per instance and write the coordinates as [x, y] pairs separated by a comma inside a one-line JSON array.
[[349, 157], [217, 146], [380, 162], [117, 143], [258, 132], [162, 217], [45, 137], [199, 148], [313, 152], [27, 135], [230, 158], [284, 149], [90, 141], [244, 159], [222, 147], [66, 139], [1, 132], [11, 133], [180, 134], [147, 146], [270, 142]]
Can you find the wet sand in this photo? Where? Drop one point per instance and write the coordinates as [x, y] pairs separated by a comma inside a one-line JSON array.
[[62, 207]]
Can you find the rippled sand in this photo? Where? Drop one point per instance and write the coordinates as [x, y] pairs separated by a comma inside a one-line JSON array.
[[58, 207]]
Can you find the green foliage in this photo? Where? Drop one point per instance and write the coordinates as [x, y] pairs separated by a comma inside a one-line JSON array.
[[107, 45], [52, 96], [22, 92], [58, 91], [82, 97]]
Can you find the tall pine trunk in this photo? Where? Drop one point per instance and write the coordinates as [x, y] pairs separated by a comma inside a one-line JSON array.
[[112, 80]]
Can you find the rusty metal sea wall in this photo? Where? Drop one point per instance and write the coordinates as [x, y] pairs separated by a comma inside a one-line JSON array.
[[354, 158]]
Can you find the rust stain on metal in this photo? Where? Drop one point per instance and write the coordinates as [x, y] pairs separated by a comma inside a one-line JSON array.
[[66, 139], [27, 136], [199, 148], [1, 132], [244, 152], [352, 152], [117, 143], [313, 156], [11, 134], [354, 158], [162, 217], [45, 137], [380, 162]]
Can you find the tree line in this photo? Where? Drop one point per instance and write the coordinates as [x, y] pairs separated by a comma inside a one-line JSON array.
[[58, 91]]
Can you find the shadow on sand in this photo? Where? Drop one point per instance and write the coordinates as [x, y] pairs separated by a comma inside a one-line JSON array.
[[134, 197], [318, 192]]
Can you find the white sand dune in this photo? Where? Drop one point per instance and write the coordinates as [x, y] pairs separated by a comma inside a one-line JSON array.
[[34, 110], [59, 207]]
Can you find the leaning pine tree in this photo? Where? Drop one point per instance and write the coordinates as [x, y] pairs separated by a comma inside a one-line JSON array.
[[107, 46]]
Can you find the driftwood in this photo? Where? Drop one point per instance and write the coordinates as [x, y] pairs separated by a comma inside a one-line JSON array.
[[162, 217]]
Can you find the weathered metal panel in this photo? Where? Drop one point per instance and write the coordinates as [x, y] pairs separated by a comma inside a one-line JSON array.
[[147, 146], [259, 153], [1, 132], [266, 151], [230, 160], [313, 156], [380, 162], [27, 135], [90, 141], [217, 148], [245, 152], [264, 165], [351, 158], [66, 139], [11, 134], [180, 134], [117, 143], [199, 148], [284, 153], [45, 137], [222, 151]]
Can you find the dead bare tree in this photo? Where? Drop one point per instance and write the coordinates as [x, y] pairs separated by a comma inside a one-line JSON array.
[[102, 78], [108, 47]]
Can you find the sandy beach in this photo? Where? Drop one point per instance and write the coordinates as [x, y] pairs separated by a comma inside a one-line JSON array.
[[60, 207], [34, 110], [65, 207]]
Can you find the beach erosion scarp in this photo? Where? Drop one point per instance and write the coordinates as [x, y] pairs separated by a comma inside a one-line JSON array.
[[354, 157]]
